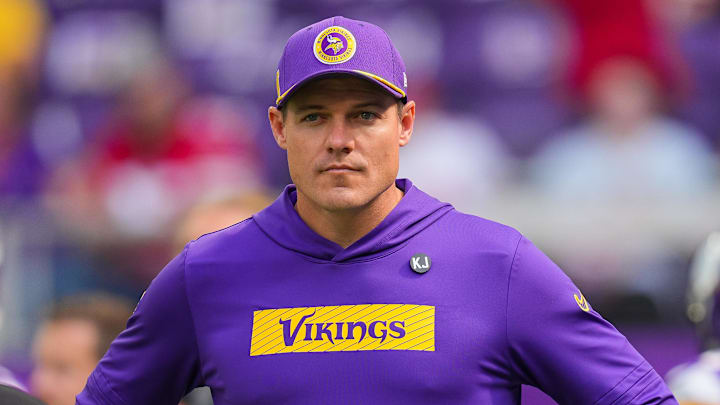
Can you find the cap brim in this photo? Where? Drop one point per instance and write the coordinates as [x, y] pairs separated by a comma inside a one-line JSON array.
[[394, 90]]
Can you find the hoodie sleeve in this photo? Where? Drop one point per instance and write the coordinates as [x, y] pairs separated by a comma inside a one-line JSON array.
[[155, 359], [559, 344]]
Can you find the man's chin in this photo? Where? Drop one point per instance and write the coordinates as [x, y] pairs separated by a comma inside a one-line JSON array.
[[342, 199]]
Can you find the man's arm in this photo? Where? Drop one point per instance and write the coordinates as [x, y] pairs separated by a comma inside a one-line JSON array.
[[559, 344], [155, 360]]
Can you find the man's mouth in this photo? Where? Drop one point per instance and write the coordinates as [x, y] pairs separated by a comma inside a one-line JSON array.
[[339, 168]]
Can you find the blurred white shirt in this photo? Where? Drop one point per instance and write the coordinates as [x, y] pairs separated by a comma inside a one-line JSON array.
[[663, 159]]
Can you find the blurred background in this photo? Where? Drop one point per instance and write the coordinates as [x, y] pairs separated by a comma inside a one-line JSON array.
[[128, 128]]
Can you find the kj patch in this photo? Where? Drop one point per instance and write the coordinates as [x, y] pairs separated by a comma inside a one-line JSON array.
[[343, 328]]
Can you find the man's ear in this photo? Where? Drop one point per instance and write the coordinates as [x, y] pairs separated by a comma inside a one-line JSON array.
[[277, 125], [407, 121]]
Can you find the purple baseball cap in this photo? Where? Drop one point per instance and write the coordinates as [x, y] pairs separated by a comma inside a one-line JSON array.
[[340, 45]]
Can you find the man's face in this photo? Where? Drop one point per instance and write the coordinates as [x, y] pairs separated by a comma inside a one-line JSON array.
[[65, 354], [342, 135]]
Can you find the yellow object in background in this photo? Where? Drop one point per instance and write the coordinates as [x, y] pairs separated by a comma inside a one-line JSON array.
[[22, 24]]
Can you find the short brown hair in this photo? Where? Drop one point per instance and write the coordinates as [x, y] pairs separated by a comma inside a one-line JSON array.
[[106, 312]]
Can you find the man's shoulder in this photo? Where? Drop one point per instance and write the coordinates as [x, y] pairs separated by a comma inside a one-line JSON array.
[[482, 230], [231, 238]]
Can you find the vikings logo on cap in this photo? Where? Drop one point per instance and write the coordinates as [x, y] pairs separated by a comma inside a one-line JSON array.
[[334, 45]]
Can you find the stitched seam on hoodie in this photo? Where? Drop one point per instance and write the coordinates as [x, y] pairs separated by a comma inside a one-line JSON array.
[[384, 239], [322, 261], [611, 390], [400, 246], [395, 230]]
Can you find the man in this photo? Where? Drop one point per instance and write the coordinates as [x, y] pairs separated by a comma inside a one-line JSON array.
[[355, 287], [68, 345]]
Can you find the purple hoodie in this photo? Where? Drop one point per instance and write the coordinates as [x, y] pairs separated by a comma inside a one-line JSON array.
[[268, 312]]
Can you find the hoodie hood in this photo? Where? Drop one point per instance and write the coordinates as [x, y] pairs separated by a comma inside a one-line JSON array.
[[415, 212]]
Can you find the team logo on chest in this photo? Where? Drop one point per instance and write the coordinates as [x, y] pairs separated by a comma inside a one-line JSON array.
[[334, 45], [343, 328]]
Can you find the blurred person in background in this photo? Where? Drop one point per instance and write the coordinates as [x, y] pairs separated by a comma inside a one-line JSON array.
[[153, 158], [624, 80], [626, 156], [75, 334], [161, 143], [626, 146]]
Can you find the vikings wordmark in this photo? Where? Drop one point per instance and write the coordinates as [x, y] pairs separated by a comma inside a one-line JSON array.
[[343, 328]]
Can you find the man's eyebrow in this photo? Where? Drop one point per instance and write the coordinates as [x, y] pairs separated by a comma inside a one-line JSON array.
[[377, 104], [301, 108], [305, 107]]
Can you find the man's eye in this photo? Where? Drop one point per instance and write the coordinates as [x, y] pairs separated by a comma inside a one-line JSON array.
[[366, 115], [311, 117]]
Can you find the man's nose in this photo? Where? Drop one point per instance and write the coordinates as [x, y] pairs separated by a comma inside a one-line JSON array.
[[339, 137]]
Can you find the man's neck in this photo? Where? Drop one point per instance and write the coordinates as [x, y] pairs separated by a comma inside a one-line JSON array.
[[345, 227]]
